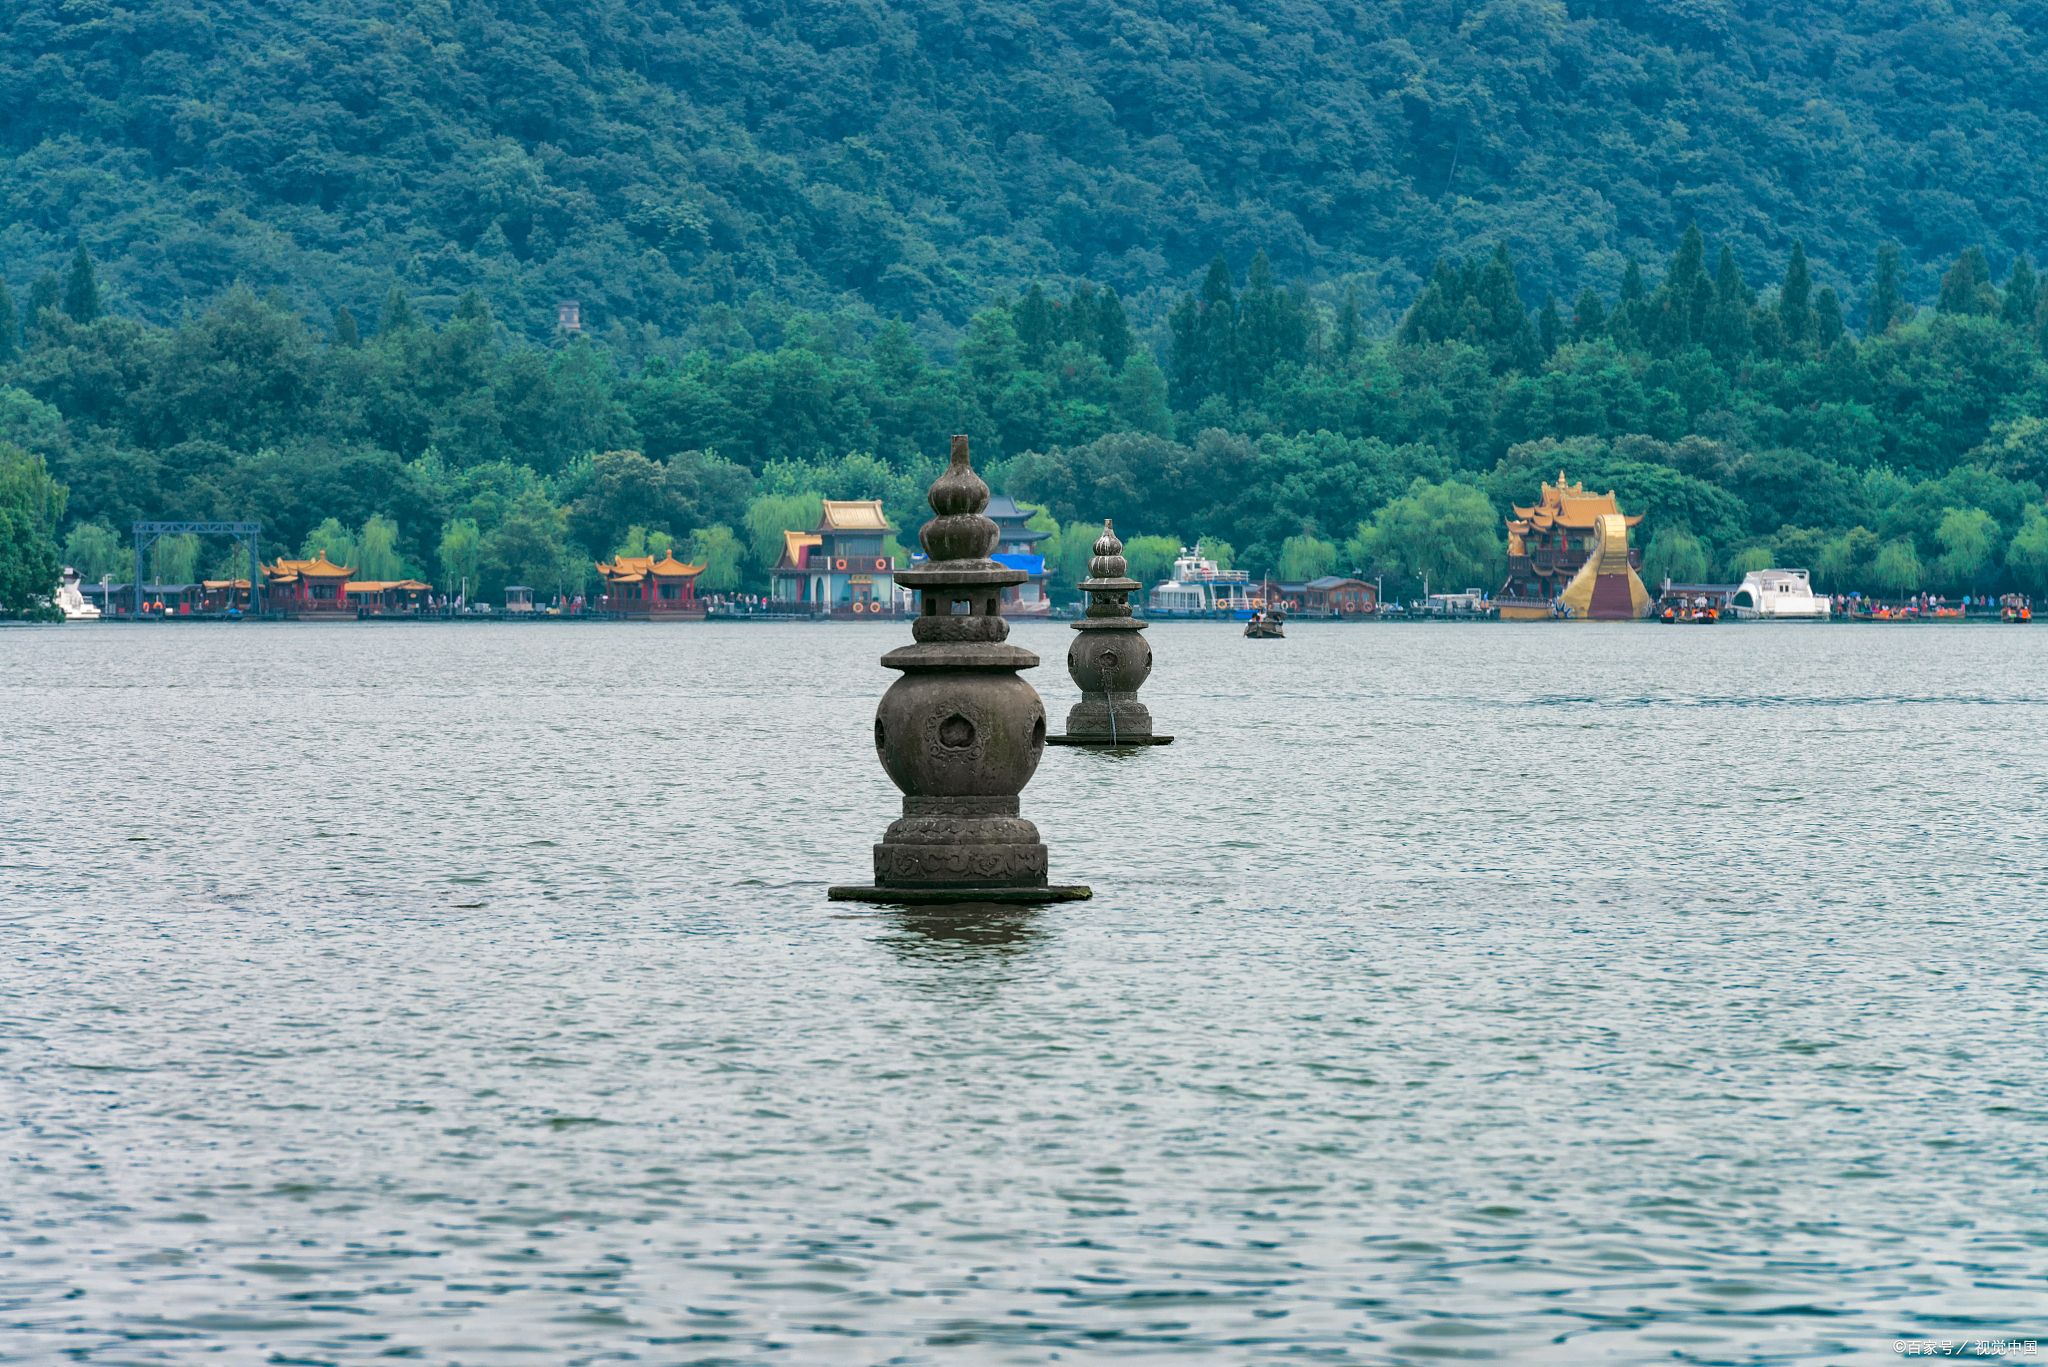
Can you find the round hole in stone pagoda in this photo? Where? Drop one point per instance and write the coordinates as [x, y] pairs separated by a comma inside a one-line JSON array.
[[956, 732], [881, 738], [1038, 733]]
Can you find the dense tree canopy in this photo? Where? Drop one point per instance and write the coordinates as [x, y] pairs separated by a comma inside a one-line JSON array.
[[1748, 427], [667, 161]]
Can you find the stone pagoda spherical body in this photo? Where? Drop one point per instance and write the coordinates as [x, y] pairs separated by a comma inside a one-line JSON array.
[[1110, 658], [960, 733]]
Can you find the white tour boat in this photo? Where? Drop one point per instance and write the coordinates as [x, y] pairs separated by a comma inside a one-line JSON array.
[[1199, 588], [72, 602], [1778, 596]]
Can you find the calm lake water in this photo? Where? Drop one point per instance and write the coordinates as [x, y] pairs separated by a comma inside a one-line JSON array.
[[1526, 994]]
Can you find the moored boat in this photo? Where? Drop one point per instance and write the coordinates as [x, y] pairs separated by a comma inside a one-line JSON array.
[[1682, 611], [71, 602], [1778, 596], [1201, 588]]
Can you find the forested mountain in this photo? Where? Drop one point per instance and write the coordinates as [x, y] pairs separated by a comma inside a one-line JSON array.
[[665, 161], [1321, 285]]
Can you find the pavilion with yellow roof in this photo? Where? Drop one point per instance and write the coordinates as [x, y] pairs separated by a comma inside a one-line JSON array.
[[1569, 555], [652, 587], [838, 567], [298, 587]]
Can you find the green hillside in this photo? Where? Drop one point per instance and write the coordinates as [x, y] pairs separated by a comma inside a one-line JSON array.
[[1321, 286], [659, 158]]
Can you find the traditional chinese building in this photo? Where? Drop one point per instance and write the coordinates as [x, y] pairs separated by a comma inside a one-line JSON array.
[[1332, 595], [1550, 544], [308, 587], [839, 568], [1017, 547], [651, 588], [222, 595], [387, 597]]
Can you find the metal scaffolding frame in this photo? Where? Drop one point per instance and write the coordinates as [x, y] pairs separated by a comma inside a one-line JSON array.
[[147, 534]]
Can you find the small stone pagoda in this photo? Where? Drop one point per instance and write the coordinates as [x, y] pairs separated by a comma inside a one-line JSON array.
[[1109, 660], [960, 733]]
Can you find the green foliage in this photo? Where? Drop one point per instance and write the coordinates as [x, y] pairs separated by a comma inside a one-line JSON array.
[[770, 515], [1896, 569], [174, 559], [2027, 554], [332, 540], [461, 556], [1677, 555], [641, 543], [1845, 561], [1149, 559], [1750, 561], [1736, 421], [96, 551], [1970, 545], [31, 506], [1067, 551], [1966, 288], [1447, 534], [376, 550], [720, 552], [1305, 557], [1217, 549], [529, 547], [81, 288]]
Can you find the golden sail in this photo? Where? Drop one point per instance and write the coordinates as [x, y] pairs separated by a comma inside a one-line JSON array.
[[1607, 588]]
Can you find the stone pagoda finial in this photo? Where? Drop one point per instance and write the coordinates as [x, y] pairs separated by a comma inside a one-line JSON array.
[[1109, 660], [960, 733]]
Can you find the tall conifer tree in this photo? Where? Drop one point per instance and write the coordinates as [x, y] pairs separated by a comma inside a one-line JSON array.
[[1966, 287], [1503, 324], [1078, 318], [1550, 332], [1630, 323], [1113, 330], [1728, 319], [82, 288], [9, 329], [1887, 304], [1433, 316], [1218, 331], [1827, 318], [43, 294], [1589, 316], [1795, 297], [1034, 326], [396, 315], [2017, 306], [1350, 326], [345, 333], [1684, 308], [1260, 325]]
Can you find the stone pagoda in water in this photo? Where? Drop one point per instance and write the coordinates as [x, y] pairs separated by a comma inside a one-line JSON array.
[[1109, 660], [960, 733]]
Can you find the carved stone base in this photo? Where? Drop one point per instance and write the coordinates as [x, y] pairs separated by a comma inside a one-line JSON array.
[[960, 866], [957, 842], [1091, 715]]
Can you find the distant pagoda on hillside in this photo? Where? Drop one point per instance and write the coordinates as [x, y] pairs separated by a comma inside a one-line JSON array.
[[1570, 555]]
